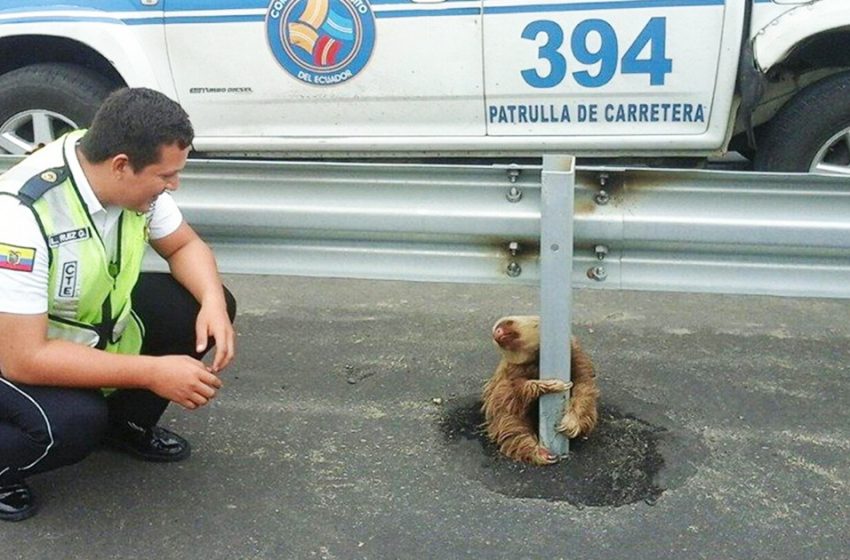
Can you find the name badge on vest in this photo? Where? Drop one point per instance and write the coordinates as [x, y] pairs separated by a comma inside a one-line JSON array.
[[69, 236]]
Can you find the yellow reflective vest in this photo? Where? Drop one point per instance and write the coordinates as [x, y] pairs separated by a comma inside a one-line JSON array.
[[89, 298]]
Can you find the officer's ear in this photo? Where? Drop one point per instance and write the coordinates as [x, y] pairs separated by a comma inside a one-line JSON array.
[[120, 165]]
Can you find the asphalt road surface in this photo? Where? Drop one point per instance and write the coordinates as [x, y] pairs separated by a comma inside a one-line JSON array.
[[348, 428]]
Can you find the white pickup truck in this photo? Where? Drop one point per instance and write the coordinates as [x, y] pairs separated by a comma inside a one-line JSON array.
[[639, 79]]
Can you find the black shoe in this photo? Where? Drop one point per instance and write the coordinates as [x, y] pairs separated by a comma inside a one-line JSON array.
[[149, 444], [16, 502]]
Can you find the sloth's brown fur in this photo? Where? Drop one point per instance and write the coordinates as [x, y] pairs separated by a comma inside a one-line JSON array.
[[512, 392]]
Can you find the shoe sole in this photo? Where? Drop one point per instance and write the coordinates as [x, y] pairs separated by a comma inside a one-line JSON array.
[[20, 516], [117, 446]]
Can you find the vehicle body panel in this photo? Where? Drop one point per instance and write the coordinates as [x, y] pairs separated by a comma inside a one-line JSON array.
[[592, 77]]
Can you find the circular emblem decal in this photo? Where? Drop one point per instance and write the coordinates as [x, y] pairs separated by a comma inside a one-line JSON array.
[[321, 42], [49, 176]]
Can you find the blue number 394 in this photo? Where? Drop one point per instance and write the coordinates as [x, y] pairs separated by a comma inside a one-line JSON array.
[[654, 34]]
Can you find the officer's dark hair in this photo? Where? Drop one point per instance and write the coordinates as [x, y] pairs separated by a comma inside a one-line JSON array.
[[136, 122]]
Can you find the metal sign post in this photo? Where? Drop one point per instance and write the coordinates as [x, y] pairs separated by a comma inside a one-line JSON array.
[[556, 257]]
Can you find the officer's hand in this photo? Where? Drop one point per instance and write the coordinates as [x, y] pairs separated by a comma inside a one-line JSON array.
[[184, 380], [213, 322]]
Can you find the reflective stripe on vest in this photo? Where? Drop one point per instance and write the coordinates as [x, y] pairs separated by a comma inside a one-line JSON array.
[[89, 296]]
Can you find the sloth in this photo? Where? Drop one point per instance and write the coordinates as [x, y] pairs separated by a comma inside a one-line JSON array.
[[511, 395]]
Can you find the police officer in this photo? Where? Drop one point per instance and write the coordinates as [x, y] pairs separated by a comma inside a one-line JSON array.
[[91, 349]]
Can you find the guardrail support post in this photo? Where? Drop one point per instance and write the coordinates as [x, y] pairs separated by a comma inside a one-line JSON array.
[[556, 257]]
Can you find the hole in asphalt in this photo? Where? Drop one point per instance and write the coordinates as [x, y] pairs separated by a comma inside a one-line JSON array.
[[618, 464]]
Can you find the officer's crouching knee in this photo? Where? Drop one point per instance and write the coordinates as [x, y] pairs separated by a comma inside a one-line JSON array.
[[79, 430]]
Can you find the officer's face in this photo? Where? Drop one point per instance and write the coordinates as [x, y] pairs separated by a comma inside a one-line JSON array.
[[145, 185]]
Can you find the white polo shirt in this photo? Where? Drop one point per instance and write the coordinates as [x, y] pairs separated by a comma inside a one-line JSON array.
[[25, 292]]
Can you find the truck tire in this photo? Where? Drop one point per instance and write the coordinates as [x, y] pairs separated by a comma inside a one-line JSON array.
[[39, 103], [811, 132]]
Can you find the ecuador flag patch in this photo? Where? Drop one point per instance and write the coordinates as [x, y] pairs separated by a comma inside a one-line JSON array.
[[13, 257]]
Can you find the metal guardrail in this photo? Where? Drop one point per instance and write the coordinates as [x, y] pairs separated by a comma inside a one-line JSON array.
[[702, 231], [670, 230], [641, 229]]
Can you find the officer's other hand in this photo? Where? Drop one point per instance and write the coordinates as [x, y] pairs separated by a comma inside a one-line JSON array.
[[213, 323], [184, 380]]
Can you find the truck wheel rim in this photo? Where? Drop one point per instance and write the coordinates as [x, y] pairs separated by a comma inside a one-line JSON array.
[[834, 156], [28, 130]]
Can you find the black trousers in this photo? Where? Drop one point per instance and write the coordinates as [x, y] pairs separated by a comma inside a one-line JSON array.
[[43, 428]]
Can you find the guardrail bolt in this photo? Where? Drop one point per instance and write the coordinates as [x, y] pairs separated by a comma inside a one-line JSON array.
[[513, 172], [602, 196], [514, 269], [514, 195], [513, 247], [601, 252], [597, 273]]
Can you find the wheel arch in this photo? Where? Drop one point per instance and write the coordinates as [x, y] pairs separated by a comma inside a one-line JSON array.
[[806, 36], [24, 50]]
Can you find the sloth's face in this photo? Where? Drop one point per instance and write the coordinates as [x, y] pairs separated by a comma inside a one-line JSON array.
[[518, 337]]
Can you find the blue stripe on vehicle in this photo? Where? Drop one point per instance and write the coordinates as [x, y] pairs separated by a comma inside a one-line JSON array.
[[586, 6], [192, 5], [262, 17], [442, 10], [54, 19], [421, 13], [100, 5], [212, 19], [187, 5]]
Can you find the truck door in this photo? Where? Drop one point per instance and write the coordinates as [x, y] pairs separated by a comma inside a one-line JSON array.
[[298, 73], [596, 72]]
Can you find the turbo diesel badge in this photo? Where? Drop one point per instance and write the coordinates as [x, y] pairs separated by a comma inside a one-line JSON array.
[[321, 42]]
